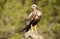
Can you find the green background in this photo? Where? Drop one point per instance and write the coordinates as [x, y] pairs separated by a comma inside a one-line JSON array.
[[14, 12]]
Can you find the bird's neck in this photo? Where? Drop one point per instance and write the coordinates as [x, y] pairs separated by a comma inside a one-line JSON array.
[[35, 10]]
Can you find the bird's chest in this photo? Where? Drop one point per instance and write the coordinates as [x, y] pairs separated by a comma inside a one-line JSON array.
[[37, 15]]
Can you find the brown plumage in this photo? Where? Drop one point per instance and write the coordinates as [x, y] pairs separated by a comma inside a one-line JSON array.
[[33, 18]]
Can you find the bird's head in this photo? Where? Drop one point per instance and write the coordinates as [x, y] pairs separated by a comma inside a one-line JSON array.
[[34, 6]]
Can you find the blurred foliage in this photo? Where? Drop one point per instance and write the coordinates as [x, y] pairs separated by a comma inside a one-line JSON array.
[[14, 12]]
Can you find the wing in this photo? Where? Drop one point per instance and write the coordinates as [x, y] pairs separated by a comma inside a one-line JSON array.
[[28, 20], [30, 17]]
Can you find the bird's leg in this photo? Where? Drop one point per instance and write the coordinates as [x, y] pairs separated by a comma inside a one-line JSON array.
[[32, 28], [35, 28]]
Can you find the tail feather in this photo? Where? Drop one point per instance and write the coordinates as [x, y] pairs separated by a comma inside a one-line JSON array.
[[27, 26], [25, 29]]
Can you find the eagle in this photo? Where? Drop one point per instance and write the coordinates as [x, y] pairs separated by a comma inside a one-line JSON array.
[[32, 19]]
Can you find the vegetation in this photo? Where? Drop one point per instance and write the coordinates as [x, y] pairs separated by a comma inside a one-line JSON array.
[[14, 12]]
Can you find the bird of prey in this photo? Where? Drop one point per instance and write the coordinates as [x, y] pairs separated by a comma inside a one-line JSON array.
[[33, 18]]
